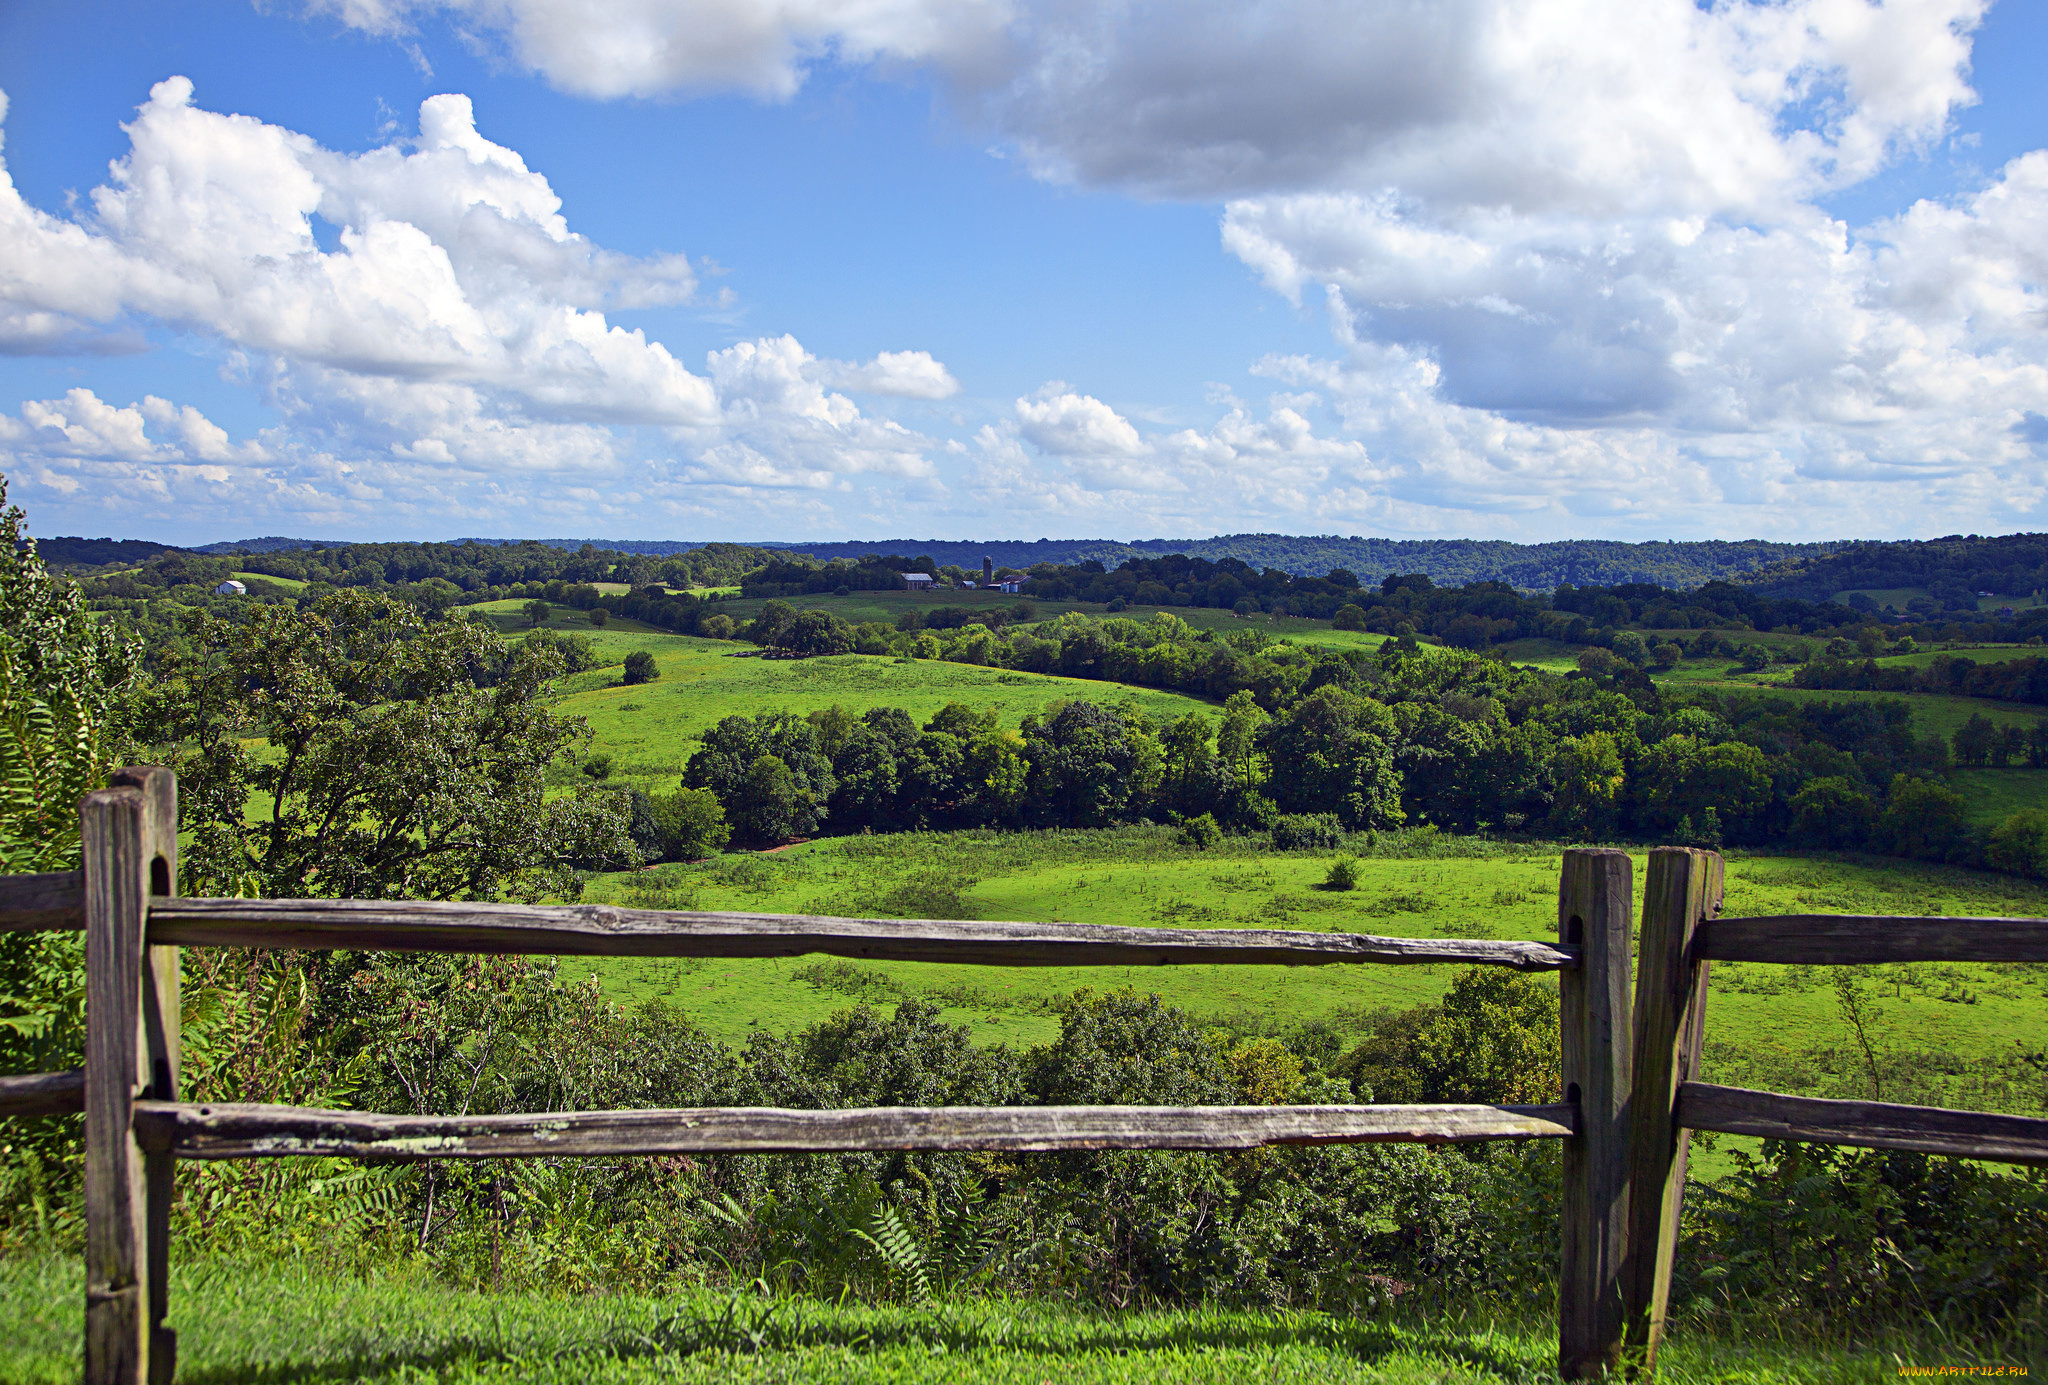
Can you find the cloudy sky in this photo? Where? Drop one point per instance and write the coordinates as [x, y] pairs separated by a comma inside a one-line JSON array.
[[786, 269]]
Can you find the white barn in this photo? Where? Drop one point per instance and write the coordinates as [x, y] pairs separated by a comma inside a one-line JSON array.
[[231, 588], [918, 581]]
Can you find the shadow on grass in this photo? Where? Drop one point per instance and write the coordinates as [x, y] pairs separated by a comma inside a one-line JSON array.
[[747, 1326]]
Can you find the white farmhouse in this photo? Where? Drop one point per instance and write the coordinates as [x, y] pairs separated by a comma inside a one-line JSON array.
[[231, 588]]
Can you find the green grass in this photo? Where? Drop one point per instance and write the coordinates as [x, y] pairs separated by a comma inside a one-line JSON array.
[[1993, 794], [1761, 1015], [1897, 597], [288, 1321], [508, 617], [290, 584], [1932, 713]]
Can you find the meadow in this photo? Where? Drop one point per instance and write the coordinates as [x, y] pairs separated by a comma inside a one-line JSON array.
[[1951, 1031]]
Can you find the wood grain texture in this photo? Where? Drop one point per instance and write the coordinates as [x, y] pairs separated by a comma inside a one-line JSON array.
[[129, 835], [195, 1131], [603, 930], [1593, 913], [1870, 1124], [1682, 889], [43, 1093], [1848, 939], [116, 1251], [51, 902], [159, 1048]]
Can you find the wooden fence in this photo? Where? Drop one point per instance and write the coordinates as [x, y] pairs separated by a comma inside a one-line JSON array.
[[1629, 1103]]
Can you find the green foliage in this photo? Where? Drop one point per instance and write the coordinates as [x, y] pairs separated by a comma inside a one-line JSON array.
[[1202, 832], [402, 757], [1307, 832], [640, 667], [1925, 820], [1332, 753], [65, 681], [1343, 874], [1493, 1039], [768, 772], [1833, 811], [575, 651], [2019, 844], [690, 824], [66, 684]]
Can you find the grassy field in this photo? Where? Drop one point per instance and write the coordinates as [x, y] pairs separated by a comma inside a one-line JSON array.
[[286, 1322], [1897, 597], [1765, 1018], [290, 584]]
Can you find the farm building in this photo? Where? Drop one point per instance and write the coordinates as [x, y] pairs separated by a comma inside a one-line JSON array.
[[918, 581], [231, 588]]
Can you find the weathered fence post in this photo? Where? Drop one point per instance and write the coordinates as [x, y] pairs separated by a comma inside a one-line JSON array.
[[1593, 908], [130, 841], [1682, 888]]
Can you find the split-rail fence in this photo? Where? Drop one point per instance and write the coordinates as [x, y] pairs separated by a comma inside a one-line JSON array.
[[1629, 1061]]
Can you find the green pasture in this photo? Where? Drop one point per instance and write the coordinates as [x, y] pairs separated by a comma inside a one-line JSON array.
[[651, 729], [1994, 794], [508, 617], [295, 1320], [856, 608], [1978, 653], [290, 584], [1897, 597], [1766, 1020]]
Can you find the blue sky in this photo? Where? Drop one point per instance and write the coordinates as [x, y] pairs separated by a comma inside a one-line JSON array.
[[1004, 269]]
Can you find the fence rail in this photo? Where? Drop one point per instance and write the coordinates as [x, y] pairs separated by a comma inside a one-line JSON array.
[[1630, 1056], [1871, 1124], [1858, 939], [223, 1131]]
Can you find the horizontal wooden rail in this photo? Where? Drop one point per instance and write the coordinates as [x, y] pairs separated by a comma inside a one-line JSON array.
[[43, 1093], [1871, 1124], [198, 1131], [603, 930], [42, 903], [1848, 939]]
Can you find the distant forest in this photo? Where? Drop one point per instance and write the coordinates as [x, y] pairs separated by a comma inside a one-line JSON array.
[[1952, 570], [1447, 562], [1945, 575]]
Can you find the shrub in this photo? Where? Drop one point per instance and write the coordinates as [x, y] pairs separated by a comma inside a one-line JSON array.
[[689, 824], [598, 767], [640, 667], [1925, 820], [1201, 833], [1343, 874], [1247, 810], [1831, 811], [2020, 843], [575, 651], [598, 615], [1306, 832], [1597, 661], [718, 627]]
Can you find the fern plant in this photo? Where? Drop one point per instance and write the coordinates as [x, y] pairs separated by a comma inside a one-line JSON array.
[[892, 1242], [64, 686]]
